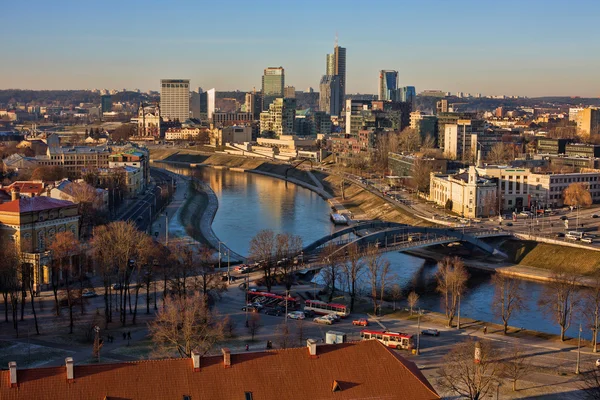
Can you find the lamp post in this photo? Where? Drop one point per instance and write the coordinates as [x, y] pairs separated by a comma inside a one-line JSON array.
[[419, 332], [578, 350], [220, 254], [228, 266], [458, 320]]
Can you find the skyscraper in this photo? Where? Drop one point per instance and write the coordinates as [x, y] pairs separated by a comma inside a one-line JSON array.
[[289, 92], [210, 100], [273, 81], [408, 94], [336, 65], [175, 99], [388, 85], [329, 95], [279, 119]]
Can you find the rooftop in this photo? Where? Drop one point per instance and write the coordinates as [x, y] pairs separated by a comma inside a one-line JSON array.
[[358, 370], [31, 204]]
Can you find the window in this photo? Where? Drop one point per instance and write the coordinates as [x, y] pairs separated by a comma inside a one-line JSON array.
[[248, 396]]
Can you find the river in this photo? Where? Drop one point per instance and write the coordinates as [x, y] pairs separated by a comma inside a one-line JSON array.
[[249, 203]]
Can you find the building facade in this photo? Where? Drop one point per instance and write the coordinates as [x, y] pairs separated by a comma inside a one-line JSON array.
[[273, 82], [329, 95], [175, 99], [457, 138], [388, 85], [336, 65], [279, 119], [588, 122]]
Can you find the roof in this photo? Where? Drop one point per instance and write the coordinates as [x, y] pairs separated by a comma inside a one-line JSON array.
[[26, 187], [362, 370], [29, 204]]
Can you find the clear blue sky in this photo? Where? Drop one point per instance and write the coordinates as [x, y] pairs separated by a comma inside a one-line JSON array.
[[524, 47]]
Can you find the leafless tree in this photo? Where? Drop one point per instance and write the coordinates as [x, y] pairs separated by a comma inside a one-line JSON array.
[[560, 298], [287, 248], [516, 366], [283, 335], [64, 248], [89, 204], [421, 175], [460, 374], [413, 300], [262, 250], [577, 195], [396, 293], [254, 324], [10, 270], [185, 324], [590, 384], [331, 272], [452, 278], [508, 298], [499, 154], [378, 269], [353, 270], [591, 308]]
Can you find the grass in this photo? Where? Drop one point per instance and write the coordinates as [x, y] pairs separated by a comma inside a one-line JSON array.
[[552, 257]]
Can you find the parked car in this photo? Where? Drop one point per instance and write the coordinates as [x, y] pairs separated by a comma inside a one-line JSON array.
[[273, 311], [323, 320], [309, 313], [88, 293], [595, 216], [587, 240], [296, 315], [559, 234], [332, 317], [116, 286], [251, 308], [430, 332], [360, 322]]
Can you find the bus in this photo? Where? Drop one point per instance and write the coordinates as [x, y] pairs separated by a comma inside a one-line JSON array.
[[574, 235], [396, 340], [272, 299], [320, 307]]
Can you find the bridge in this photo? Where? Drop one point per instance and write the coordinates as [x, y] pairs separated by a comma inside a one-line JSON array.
[[394, 236]]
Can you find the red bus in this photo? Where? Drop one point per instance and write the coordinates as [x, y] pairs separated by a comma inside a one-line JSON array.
[[396, 340], [320, 307], [272, 299]]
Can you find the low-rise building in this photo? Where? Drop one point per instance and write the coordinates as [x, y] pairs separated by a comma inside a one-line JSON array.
[[582, 150], [552, 146], [546, 190], [231, 134], [467, 193], [183, 133], [403, 165], [76, 158]]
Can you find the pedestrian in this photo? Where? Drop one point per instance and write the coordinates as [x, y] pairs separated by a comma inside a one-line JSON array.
[[128, 335], [124, 336], [247, 347], [485, 329]]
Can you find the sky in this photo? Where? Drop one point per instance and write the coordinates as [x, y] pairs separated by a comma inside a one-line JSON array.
[[513, 47]]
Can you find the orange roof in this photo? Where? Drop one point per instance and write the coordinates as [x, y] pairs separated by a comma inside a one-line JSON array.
[[30, 204], [362, 370], [26, 187]]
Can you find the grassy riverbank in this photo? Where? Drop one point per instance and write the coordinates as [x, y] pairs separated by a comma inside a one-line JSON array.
[[551, 256]]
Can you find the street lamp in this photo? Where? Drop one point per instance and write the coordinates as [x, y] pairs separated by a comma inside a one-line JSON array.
[[578, 350], [419, 332]]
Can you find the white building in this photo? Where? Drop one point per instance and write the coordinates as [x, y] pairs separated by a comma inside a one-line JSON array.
[[573, 112], [457, 138], [469, 194], [210, 103], [182, 133], [175, 99], [231, 134]]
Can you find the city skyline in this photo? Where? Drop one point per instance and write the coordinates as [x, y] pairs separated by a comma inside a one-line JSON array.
[[66, 48]]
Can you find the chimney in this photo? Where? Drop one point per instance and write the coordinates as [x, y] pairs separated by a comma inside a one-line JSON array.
[[69, 363], [12, 366], [226, 357], [196, 360], [312, 348], [14, 194]]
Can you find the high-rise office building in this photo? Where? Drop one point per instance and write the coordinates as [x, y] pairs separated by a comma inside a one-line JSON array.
[[279, 119], [273, 82], [336, 65], [210, 102], [253, 104], [289, 92], [388, 85], [329, 95], [408, 94], [106, 103], [175, 99]]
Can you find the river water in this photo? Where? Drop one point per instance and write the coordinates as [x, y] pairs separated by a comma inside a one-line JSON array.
[[249, 203]]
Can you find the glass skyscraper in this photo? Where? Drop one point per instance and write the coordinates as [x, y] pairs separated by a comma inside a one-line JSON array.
[[388, 85], [273, 82]]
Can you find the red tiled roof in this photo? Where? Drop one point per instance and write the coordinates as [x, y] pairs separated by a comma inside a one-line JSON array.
[[25, 187], [29, 204], [363, 370]]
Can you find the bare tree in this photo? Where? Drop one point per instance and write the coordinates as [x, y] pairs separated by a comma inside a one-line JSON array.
[[590, 384], [577, 195], [508, 298], [413, 300], [452, 278], [283, 335], [331, 272], [421, 175], [262, 249], [254, 324], [353, 269], [287, 248], [516, 366], [185, 324], [591, 308], [499, 154], [378, 272], [396, 293], [559, 298], [89, 203], [460, 374]]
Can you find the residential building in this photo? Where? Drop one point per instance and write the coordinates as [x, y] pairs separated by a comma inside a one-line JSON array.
[[135, 157], [469, 194], [573, 113], [329, 95], [289, 92], [388, 85], [273, 82], [253, 104], [231, 134], [279, 119], [237, 118], [60, 190], [449, 118], [425, 125], [457, 138], [355, 370], [175, 99], [588, 122], [17, 162], [24, 188], [183, 133], [483, 141], [336, 65], [552, 146], [355, 115], [322, 122], [33, 222], [442, 106], [403, 165], [210, 103], [76, 158]]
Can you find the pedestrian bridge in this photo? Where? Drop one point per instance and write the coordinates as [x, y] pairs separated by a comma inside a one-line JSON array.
[[394, 236]]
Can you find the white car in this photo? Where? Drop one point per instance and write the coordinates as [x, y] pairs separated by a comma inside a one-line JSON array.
[[323, 320], [296, 315], [587, 240]]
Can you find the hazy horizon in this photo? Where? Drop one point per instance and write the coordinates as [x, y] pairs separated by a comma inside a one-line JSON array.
[[533, 48]]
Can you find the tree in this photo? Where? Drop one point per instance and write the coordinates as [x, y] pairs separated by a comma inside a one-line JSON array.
[[331, 259], [451, 278], [516, 366], [64, 247], [283, 335], [460, 374], [396, 293], [508, 298], [590, 384], [378, 272], [89, 203], [577, 195], [48, 173], [499, 154], [185, 324], [421, 175], [287, 248], [490, 204], [353, 270], [413, 300], [560, 298], [254, 324], [262, 248], [591, 308], [123, 132]]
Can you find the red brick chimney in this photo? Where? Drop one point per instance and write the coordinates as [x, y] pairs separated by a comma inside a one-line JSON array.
[[226, 357]]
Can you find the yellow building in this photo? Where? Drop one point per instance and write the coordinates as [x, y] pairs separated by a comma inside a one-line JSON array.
[[32, 222], [588, 122]]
